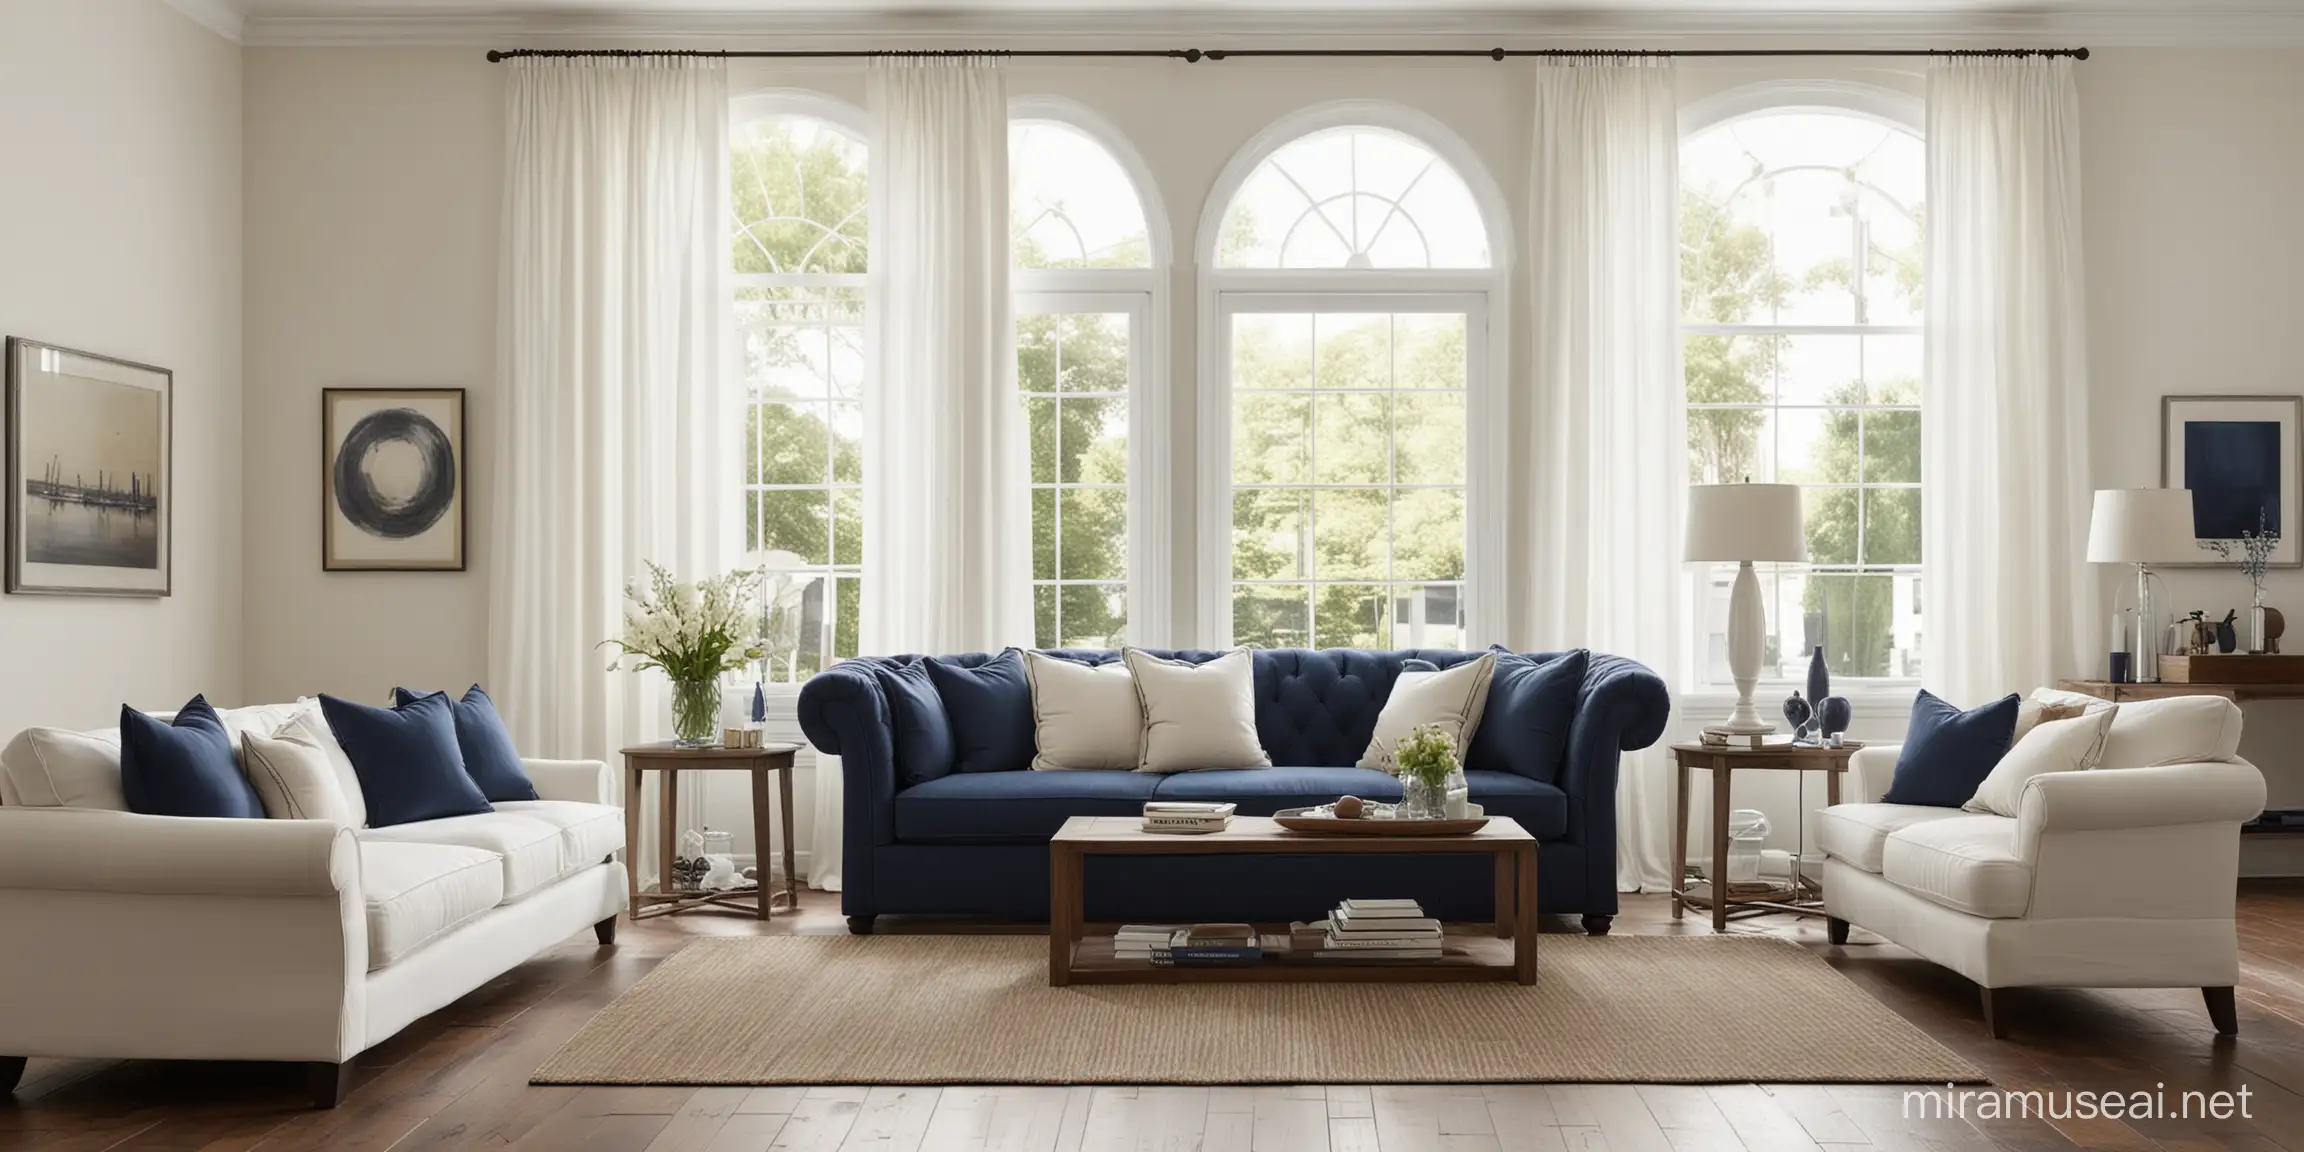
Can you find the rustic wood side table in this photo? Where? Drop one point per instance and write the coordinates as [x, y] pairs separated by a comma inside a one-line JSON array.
[[1800, 896], [668, 762]]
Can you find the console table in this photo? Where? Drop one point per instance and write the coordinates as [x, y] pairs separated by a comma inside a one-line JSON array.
[[668, 762]]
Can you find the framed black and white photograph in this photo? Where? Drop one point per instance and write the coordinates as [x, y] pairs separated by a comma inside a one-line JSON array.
[[88, 481], [392, 474], [2237, 455]]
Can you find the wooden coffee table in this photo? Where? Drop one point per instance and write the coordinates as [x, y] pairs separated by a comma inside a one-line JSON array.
[[1077, 957]]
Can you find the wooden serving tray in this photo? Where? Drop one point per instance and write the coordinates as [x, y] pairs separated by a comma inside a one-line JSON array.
[[1298, 820], [2234, 668]]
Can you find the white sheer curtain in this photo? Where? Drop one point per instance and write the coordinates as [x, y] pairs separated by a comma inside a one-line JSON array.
[[608, 421], [2009, 602], [1608, 420]]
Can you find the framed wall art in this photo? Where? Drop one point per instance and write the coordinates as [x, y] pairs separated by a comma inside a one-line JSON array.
[[2237, 456], [392, 472], [89, 496]]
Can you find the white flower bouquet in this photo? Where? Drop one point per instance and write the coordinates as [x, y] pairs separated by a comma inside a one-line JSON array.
[[693, 632]]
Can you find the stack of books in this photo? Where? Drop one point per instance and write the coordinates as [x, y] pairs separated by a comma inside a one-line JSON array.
[[1190, 945], [1370, 930], [1186, 817]]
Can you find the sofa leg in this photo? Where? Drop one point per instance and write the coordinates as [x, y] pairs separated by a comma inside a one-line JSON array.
[[605, 932], [1836, 929], [1597, 925], [860, 925], [327, 1082], [2223, 1011], [11, 1073], [1995, 1013]]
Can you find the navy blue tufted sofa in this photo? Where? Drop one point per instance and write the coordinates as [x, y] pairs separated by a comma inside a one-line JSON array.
[[976, 843]]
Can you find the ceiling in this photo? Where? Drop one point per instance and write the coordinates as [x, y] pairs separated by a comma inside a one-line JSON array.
[[2106, 22]]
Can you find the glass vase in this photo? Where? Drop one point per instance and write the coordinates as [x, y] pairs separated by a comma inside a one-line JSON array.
[[696, 712], [1446, 800]]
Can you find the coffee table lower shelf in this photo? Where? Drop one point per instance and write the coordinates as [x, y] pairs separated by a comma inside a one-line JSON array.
[[1466, 959]]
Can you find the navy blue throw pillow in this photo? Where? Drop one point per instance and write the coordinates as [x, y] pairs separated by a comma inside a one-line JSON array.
[[1948, 753], [406, 758], [990, 706], [184, 767], [924, 748], [485, 744], [1524, 728]]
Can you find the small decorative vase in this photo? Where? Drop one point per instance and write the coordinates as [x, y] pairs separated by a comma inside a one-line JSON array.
[[1798, 713], [1457, 804], [696, 712], [1819, 678], [1422, 801], [2227, 637], [1833, 715]]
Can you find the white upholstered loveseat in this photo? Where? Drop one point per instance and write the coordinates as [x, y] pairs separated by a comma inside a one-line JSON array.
[[2123, 876], [132, 936]]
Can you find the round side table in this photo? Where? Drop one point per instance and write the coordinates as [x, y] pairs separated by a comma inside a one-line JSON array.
[[1800, 896]]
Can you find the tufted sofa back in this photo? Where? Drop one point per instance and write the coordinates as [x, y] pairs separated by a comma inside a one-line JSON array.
[[1313, 709]]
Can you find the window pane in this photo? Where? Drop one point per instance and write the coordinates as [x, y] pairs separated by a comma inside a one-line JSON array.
[[1044, 634], [1040, 425], [1351, 616], [1095, 352], [1272, 616], [1428, 534], [798, 196], [1353, 197], [1427, 616], [848, 526], [1892, 447], [847, 443], [1833, 524], [1351, 351], [1803, 445], [1095, 615], [1095, 545], [1045, 503], [1351, 438], [1731, 445], [1428, 350], [788, 444], [1271, 438], [1892, 526], [1892, 369], [1430, 446], [1731, 369], [1271, 534], [1820, 370], [1853, 617], [1271, 350], [1095, 441], [1036, 352], [797, 522], [1351, 537], [1071, 203]]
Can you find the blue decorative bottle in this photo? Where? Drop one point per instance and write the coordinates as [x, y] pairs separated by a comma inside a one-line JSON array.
[[759, 703], [1819, 678]]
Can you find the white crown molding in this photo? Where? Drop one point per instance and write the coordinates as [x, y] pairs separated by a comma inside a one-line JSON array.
[[218, 16], [2204, 25]]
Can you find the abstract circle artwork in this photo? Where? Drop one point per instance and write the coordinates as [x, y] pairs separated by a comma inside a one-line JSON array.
[[363, 497]]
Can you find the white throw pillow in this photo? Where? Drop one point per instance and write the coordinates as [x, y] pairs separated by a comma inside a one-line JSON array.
[[60, 768], [1197, 715], [292, 775], [2071, 745], [1452, 698], [2054, 704], [314, 727], [1083, 716], [2173, 730]]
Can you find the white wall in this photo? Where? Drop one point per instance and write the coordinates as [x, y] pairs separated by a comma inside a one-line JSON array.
[[372, 192], [120, 235]]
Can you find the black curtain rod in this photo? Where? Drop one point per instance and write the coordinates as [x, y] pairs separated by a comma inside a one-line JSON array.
[[1195, 55]]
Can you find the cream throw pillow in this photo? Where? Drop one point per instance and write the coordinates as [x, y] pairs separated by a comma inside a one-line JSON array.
[[292, 775], [1453, 699], [1197, 715], [2053, 704], [312, 724], [1082, 716], [2072, 745], [60, 768]]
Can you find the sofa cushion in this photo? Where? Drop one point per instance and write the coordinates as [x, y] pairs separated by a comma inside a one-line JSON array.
[[531, 848], [417, 893], [2175, 730], [589, 833], [1968, 864], [60, 768], [183, 767], [990, 704], [1014, 807], [1531, 705], [1263, 791], [1858, 833], [1540, 808], [918, 722]]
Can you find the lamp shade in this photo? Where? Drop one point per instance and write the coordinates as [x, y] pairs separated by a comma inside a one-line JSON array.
[[1736, 522], [2141, 526]]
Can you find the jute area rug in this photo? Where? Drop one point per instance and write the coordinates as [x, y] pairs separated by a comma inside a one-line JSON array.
[[978, 1010]]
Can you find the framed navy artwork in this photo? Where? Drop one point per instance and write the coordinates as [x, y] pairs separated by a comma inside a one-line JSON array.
[[2237, 456], [392, 472]]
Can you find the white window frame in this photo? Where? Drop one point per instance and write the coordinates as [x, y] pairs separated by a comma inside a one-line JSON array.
[[1888, 107], [769, 104], [1483, 293], [1142, 294]]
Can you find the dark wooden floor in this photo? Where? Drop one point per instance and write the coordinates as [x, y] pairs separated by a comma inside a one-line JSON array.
[[458, 1079]]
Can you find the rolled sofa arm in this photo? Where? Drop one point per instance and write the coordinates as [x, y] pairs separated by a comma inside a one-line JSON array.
[[588, 781], [97, 850], [1871, 770], [2112, 798]]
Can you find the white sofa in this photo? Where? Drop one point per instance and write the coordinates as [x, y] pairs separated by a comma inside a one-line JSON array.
[[2123, 876], [156, 937]]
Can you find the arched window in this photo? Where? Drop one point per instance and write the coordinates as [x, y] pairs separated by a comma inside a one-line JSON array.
[[1801, 291], [1350, 285], [1088, 330], [798, 253]]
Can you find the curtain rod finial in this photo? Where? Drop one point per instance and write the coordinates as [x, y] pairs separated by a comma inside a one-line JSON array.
[[2081, 54]]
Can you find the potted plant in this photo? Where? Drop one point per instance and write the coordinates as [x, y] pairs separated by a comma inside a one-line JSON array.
[[694, 632], [1432, 785], [2255, 553]]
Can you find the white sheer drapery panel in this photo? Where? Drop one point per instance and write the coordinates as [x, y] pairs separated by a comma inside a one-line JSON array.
[[612, 422], [1607, 417], [2008, 601]]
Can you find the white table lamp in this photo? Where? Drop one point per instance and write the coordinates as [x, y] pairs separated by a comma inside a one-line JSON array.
[[2142, 526], [1741, 524]]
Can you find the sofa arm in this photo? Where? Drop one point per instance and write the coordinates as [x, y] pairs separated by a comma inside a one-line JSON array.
[[2117, 798], [844, 714], [1871, 770], [97, 850], [587, 780]]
